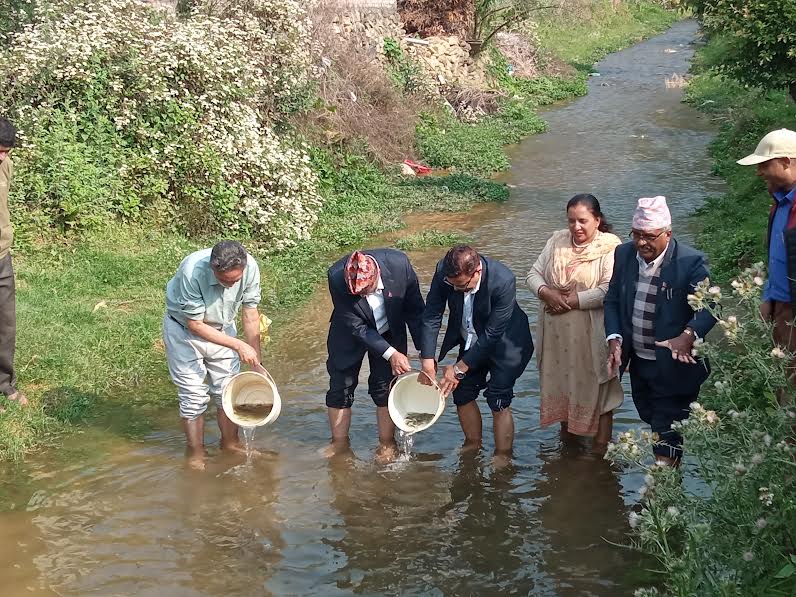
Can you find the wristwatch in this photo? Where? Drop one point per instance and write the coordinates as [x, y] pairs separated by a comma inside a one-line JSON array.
[[458, 373]]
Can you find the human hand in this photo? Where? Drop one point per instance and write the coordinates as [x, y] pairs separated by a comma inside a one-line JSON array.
[[572, 300], [247, 354], [449, 381], [429, 368], [555, 300], [399, 363], [680, 347], [614, 356]]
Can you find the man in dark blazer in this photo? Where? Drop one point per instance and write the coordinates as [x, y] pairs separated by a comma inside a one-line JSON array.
[[376, 295], [651, 327], [492, 334]]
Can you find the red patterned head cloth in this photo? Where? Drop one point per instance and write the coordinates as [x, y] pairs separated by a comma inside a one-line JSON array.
[[360, 272]]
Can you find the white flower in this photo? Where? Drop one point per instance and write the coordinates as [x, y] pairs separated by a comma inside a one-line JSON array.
[[758, 281], [761, 523], [748, 556], [672, 511], [778, 353], [633, 519], [757, 459]]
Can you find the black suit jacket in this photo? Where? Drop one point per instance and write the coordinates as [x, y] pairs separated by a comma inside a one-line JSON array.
[[501, 326], [352, 329], [682, 268]]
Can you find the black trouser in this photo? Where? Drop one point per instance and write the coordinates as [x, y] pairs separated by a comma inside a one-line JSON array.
[[8, 327], [343, 382], [658, 408]]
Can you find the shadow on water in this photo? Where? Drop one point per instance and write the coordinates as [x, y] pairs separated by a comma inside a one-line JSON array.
[[115, 512]]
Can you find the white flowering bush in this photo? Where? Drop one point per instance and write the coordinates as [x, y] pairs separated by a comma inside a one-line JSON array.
[[726, 524], [174, 114]]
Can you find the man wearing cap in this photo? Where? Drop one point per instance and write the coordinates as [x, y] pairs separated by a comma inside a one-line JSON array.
[[492, 334], [8, 313], [375, 295], [650, 326], [202, 348], [775, 158]]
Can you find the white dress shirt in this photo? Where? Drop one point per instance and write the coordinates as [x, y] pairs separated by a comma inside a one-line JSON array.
[[647, 270], [468, 329], [376, 301]]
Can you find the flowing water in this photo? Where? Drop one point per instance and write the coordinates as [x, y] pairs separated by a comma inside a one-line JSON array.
[[248, 441], [115, 513]]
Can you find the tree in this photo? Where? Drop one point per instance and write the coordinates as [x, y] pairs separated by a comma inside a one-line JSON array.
[[760, 40]]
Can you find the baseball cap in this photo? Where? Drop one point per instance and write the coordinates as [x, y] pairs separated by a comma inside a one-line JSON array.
[[777, 144]]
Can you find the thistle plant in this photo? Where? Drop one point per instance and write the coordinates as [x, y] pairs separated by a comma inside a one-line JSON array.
[[725, 522]]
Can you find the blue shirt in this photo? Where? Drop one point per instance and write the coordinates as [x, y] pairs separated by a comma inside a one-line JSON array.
[[777, 287], [195, 293]]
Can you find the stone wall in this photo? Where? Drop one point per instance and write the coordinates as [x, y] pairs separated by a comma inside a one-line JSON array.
[[448, 60]]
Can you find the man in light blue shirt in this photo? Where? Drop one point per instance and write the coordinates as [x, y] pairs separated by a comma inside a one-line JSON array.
[[202, 349]]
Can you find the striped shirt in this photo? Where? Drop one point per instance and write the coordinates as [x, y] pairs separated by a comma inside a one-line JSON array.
[[644, 316]]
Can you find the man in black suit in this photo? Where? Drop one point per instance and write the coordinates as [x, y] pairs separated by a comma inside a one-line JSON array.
[[650, 326], [492, 334], [376, 296]]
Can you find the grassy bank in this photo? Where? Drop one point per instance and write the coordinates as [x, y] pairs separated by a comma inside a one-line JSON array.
[[732, 227], [89, 308]]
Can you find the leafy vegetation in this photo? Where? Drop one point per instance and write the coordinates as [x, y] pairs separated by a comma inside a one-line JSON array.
[[758, 40]]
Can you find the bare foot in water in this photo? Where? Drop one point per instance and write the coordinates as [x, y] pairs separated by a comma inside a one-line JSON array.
[[500, 460], [238, 448], [386, 454], [196, 460]]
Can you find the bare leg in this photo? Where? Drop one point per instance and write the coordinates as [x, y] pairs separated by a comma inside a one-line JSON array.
[[470, 420], [229, 433], [605, 429], [339, 424], [195, 439], [503, 428], [388, 449]]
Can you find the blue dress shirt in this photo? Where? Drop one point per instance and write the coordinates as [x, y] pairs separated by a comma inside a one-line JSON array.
[[777, 287]]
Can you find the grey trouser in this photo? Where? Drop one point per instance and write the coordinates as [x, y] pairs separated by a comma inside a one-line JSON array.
[[200, 369], [8, 327]]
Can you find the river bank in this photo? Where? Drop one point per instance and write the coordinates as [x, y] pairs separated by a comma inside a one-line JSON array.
[[89, 309]]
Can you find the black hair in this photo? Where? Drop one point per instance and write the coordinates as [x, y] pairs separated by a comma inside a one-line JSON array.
[[227, 255], [591, 203], [8, 133], [461, 259]]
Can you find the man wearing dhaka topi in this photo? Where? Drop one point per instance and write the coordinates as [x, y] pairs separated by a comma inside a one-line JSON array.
[[376, 296], [650, 326]]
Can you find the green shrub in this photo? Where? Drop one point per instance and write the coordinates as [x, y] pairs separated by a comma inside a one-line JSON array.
[[759, 40], [444, 142], [181, 111]]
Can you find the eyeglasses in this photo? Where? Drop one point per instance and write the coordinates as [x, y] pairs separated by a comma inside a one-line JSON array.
[[464, 286], [647, 238]]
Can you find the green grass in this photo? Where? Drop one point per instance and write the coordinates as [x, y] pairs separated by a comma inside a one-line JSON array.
[[582, 42], [732, 227]]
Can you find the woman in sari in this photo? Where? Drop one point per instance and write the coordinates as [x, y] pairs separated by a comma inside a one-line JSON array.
[[571, 278]]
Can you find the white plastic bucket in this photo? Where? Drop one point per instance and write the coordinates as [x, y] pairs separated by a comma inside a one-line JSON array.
[[247, 396], [409, 396]]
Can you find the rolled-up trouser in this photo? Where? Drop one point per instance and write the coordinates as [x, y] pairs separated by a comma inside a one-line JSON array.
[[8, 327], [659, 408], [503, 374], [198, 368]]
